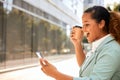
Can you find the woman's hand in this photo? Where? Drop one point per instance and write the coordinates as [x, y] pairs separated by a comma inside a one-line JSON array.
[[76, 38], [51, 70], [76, 35], [48, 68]]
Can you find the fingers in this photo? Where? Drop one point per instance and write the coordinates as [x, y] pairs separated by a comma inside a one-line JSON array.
[[43, 69], [76, 34], [43, 62], [72, 33]]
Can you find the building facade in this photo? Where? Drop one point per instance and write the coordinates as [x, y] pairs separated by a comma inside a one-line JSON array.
[[90, 3], [27, 26]]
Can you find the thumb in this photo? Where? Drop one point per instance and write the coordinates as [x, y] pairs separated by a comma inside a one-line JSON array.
[[44, 62]]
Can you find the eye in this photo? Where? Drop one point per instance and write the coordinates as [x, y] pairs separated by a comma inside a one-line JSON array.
[[86, 25]]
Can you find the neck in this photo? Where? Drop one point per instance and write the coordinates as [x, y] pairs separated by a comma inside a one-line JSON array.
[[102, 35]]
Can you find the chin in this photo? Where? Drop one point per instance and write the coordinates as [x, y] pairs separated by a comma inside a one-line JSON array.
[[90, 41]]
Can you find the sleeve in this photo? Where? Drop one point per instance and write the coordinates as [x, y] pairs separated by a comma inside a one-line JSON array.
[[106, 65], [78, 78]]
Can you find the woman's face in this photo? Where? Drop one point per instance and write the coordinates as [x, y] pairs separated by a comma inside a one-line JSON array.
[[91, 28]]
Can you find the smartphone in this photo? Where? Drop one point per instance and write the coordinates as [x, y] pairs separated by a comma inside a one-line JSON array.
[[39, 54]]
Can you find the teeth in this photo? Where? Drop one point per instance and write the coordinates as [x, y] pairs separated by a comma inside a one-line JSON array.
[[86, 34]]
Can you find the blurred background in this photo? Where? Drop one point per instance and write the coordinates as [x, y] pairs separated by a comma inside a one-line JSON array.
[[27, 26]]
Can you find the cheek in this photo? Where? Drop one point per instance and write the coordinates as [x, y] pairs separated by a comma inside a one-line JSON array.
[[92, 35]]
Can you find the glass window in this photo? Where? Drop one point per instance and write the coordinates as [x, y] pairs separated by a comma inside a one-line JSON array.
[[2, 36], [90, 1], [22, 34]]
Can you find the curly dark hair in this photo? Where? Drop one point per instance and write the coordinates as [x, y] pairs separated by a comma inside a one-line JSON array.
[[114, 25]]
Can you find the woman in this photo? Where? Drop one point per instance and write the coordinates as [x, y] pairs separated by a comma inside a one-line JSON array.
[[102, 62]]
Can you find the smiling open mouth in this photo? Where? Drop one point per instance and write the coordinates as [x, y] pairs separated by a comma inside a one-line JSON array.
[[86, 34]]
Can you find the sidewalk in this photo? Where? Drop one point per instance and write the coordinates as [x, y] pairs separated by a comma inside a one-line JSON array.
[[52, 58], [64, 63]]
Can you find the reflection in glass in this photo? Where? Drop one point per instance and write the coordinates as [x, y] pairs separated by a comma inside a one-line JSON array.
[[21, 35]]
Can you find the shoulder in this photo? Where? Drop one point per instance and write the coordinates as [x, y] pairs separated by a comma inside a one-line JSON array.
[[110, 49]]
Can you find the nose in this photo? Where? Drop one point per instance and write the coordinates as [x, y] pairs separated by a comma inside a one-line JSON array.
[[84, 29]]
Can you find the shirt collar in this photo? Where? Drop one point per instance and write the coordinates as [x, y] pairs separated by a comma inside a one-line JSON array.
[[96, 43]]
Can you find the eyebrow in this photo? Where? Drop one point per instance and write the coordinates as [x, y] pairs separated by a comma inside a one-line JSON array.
[[86, 21]]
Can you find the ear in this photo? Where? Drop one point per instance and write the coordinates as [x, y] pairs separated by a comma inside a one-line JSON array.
[[101, 24]]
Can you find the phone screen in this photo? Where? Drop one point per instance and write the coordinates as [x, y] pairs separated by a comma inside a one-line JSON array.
[[39, 54]]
